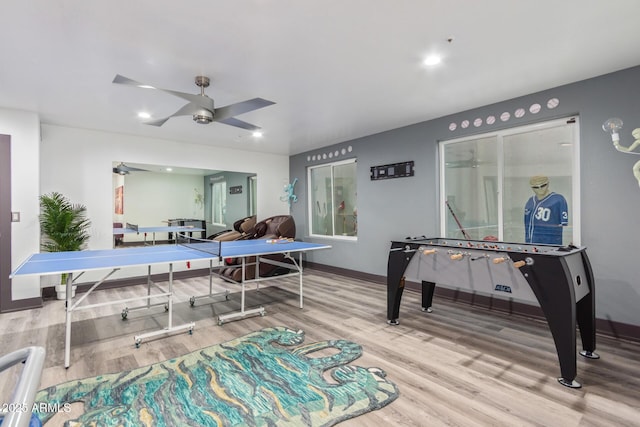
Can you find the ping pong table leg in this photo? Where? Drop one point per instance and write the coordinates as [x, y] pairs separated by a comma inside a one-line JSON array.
[[244, 276], [300, 278], [243, 313], [170, 323], [68, 308], [170, 328], [149, 286]]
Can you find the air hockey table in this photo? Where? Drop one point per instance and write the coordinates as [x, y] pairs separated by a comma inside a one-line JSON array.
[[558, 278]]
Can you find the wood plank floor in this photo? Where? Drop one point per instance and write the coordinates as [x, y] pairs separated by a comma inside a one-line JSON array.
[[457, 366]]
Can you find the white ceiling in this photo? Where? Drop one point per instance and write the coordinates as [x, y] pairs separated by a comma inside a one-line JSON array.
[[337, 70]]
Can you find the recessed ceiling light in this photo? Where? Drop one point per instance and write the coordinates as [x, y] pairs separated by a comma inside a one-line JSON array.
[[257, 134], [168, 169], [144, 115], [432, 60]]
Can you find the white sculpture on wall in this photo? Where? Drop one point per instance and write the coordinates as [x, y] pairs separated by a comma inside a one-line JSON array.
[[613, 126]]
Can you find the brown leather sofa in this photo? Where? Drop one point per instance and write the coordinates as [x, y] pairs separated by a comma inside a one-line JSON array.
[[269, 228]]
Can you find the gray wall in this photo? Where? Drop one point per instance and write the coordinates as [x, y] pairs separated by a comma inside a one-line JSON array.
[[237, 204], [397, 208]]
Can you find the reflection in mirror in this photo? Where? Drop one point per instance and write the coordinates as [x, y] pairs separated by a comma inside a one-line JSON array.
[[157, 196]]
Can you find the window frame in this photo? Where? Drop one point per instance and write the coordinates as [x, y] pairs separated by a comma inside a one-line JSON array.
[[310, 199], [252, 184], [500, 135], [214, 204]]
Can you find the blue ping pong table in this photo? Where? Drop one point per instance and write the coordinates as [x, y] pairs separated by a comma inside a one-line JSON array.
[[130, 229], [112, 260]]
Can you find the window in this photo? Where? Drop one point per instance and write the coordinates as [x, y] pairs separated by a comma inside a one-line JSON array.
[[332, 209], [253, 198], [219, 202], [517, 185]]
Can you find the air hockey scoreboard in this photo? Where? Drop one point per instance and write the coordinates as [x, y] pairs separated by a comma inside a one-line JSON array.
[[558, 278]]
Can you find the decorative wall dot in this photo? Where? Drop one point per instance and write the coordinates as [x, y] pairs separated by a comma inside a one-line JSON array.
[[313, 157], [331, 155], [344, 151], [534, 108], [324, 156], [336, 153], [350, 149], [308, 158]]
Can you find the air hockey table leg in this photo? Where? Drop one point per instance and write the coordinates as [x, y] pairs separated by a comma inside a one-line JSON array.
[[394, 296], [585, 314], [428, 288], [552, 285], [396, 266]]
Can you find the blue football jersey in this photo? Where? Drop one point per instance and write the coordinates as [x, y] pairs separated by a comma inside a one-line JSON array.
[[543, 219]]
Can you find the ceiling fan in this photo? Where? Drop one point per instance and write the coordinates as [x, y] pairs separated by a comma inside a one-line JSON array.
[[123, 169], [201, 107]]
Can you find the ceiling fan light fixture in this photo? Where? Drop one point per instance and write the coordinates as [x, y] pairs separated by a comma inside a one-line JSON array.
[[204, 117]]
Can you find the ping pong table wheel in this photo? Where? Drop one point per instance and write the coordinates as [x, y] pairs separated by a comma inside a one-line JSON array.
[[138, 341], [190, 331], [220, 322], [125, 313], [166, 307], [192, 301]]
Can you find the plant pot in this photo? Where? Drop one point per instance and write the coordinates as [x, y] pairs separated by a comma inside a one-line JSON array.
[[61, 291]]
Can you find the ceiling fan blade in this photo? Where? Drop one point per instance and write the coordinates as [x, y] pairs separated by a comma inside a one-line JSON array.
[[186, 110], [124, 169], [158, 122], [232, 121], [201, 100], [240, 108], [122, 80]]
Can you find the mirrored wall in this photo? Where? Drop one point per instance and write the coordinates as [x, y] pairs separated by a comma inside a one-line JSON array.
[[159, 195]]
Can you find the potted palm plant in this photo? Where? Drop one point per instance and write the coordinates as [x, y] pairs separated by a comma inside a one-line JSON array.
[[64, 226]]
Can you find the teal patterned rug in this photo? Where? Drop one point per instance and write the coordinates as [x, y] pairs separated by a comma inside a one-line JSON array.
[[266, 378]]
